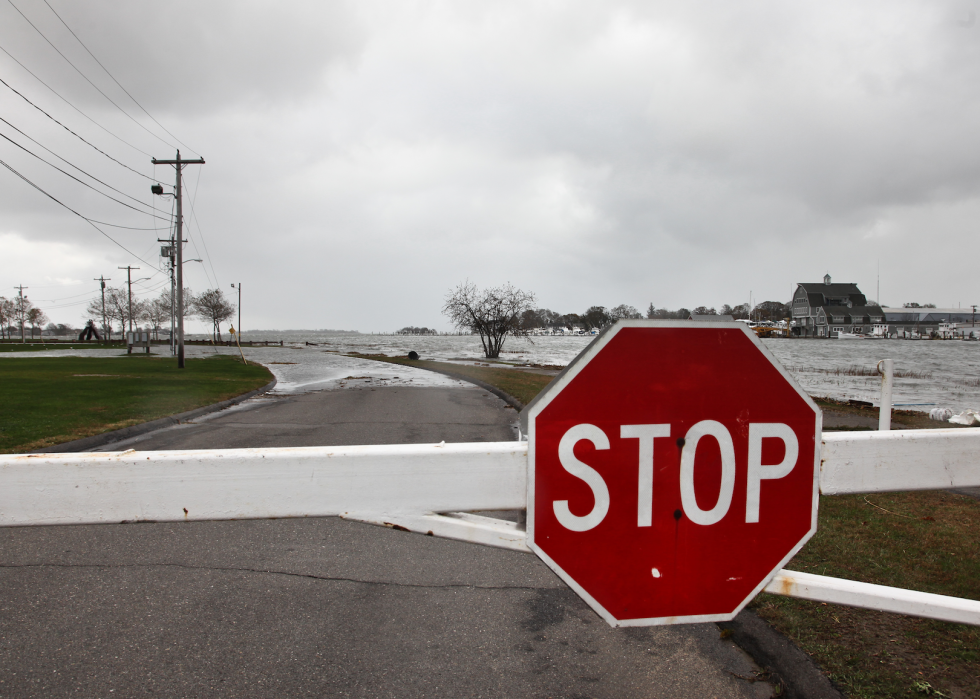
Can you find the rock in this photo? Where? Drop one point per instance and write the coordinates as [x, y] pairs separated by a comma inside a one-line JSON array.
[[413, 355]]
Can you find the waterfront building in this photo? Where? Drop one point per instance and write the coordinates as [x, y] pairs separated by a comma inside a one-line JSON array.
[[827, 309], [830, 309]]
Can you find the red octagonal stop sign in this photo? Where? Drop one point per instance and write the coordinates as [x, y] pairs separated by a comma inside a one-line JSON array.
[[673, 470]]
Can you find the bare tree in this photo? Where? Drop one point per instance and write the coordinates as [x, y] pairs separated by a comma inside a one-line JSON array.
[[22, 309], [213, 306], [6, 315], [95, 309], [37, 319], [494, 313], [155, 313], [117, 308], [625, 311]]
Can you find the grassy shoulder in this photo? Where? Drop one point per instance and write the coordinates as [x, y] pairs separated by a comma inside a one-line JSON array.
[[50, 400], [38, 346], [919, 541], [523, 385]]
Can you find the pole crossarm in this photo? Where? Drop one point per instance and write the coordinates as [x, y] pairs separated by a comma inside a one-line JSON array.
[[181, 161]]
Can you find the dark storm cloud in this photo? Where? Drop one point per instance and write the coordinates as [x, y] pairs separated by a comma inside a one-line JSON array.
[[365, 157]]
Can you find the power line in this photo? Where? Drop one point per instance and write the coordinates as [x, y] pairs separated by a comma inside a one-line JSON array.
[[118, 138], [114, 79], [200, 232], [127, 114], [84, 218], [85, 184], [67, 162], [118, 162]]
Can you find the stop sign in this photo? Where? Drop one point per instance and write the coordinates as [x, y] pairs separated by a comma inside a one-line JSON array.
[[673, 470]]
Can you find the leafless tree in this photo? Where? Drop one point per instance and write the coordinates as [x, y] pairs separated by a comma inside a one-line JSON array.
[[493, 313], [213, 306], [37, 319], [624, 311], [155, 313], [22, 311], [94, 310], [117, 308], [6, 315]]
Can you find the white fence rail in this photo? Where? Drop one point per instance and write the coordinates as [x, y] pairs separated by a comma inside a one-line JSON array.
[[405, 485]]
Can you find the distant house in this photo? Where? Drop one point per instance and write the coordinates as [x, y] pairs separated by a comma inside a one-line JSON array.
[[827, 309], [710, 318]]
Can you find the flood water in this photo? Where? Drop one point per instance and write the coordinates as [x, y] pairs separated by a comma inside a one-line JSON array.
[[943, 373], [946, 373]]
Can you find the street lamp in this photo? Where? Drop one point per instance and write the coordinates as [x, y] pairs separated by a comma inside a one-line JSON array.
[[239, 287]]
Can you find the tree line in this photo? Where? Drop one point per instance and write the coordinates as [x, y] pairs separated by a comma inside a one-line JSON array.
[[496, 312], [19, 313], [598, 317], [210, 306]]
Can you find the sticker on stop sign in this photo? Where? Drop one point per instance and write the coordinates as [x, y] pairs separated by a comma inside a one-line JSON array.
[[672, 471]]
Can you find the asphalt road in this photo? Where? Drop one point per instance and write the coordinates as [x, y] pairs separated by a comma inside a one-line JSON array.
[[325, 607]]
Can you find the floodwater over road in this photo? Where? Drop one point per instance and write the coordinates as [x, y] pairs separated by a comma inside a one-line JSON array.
[[941, 373], [944, 373]]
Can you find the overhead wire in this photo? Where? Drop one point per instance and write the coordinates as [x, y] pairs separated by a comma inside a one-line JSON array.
[[118, 138], [118, 162], [84, 218], [199, 231], [68, 162], [77, 70], [85, 184], [116, 81]]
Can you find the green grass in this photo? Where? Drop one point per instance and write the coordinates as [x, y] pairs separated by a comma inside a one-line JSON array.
[[38, 346], [50, 400], [925, 541]]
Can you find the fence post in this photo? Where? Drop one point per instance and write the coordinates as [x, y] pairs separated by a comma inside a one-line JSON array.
[[886, 367]]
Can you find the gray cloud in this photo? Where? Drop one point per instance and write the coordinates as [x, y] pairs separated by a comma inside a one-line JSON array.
[[363, 158]]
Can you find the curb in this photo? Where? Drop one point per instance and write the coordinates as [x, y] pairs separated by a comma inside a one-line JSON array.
[[789, 666], [100, 440]]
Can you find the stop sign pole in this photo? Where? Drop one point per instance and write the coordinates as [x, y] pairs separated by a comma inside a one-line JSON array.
[[672, 471]]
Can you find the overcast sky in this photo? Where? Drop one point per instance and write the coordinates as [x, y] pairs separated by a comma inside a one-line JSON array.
[[365, 157]]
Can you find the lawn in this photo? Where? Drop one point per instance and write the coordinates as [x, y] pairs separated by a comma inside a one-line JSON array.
[[50, 400], [38, 346], [919, 541]]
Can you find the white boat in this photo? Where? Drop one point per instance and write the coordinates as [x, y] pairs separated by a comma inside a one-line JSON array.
[[849, 336]]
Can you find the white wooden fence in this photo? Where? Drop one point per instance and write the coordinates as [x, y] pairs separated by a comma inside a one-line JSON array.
[[407, 485]]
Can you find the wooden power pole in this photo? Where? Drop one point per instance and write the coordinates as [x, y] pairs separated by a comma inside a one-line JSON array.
[[179, 164]]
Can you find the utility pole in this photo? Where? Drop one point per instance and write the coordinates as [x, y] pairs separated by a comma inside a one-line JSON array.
[[129, 282], [103, 280], [239, 287], [168, 252], [178, 166], [20, 309]]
